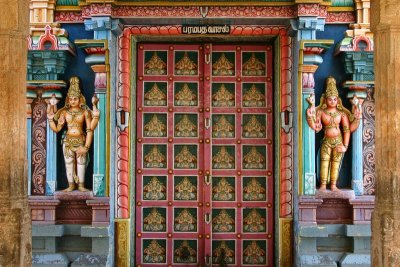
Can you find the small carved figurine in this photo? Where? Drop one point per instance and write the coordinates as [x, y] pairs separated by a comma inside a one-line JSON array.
[[337, 122], [81, 122]]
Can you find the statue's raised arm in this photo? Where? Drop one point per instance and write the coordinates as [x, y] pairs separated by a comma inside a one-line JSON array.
[[81, 122]]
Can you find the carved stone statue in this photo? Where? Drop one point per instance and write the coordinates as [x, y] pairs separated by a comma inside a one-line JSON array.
[[337, 123], [81, 122]]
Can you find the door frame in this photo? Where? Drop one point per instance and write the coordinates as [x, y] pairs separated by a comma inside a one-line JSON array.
[[284, 174]]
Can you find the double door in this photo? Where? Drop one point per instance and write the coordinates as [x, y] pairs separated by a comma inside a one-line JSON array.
[[204, 169]]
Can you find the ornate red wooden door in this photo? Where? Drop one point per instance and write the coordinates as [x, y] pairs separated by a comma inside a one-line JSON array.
[[204, 184]]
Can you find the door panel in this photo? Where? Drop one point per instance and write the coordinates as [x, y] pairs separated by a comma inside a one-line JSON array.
[[204, 185], [238, 102]]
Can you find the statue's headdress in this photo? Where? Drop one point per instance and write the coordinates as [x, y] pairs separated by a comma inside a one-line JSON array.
[[331, 89], [74, 90]]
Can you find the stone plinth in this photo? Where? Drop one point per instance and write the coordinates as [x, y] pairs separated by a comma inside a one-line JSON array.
[[100, 210], [70, 208], [308, 209], [363, 206], [43, 209], [340, 194], [73, 196], [335, 208], [73, 208]]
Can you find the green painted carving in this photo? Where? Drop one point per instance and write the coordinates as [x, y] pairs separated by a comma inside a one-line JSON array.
[[342, 3], [67, 2], [99, 185]]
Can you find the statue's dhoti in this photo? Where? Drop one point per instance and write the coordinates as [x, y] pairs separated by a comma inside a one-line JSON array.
[[74, 165], [330, 160]]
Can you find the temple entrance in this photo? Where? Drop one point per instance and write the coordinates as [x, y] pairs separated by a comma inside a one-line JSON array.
[[204, 183]]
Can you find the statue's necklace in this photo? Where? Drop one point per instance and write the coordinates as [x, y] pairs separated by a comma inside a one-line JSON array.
[[74, 113], [332, 115]]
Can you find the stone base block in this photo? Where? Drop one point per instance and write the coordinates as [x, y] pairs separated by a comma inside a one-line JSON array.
[[363, 206], [356, 260], [49, 260], [90, 260], [43, 209], [335, 211], [317, 261], [342, 193], [100, 210], [308, 209]]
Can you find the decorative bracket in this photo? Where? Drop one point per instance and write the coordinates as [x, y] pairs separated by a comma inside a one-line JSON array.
[[122, 119], [287, 120]]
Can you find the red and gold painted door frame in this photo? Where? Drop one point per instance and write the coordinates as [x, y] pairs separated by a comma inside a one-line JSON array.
[[282, 171]]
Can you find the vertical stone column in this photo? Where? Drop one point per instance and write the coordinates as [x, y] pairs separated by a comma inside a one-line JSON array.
[[15, 229], [357, 183], [99, 141], [310, 59], [386, 218], [308, 135], [97, 56]]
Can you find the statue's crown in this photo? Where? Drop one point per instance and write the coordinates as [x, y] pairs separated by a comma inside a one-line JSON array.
[[74, 90], [331, 89]]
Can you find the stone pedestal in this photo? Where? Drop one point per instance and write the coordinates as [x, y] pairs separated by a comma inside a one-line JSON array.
[[339, 214]]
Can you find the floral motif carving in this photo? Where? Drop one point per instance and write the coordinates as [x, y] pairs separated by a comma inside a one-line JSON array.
[[39, 147], [65, 16], [369, 144], [341, 17]]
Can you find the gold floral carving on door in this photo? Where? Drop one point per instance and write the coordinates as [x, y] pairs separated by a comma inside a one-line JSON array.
[[204, 179]]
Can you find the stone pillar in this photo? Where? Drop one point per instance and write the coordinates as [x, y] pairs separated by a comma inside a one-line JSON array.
[[308, 134], [386, 218], [99, 141], [357, 183], [310, 59], [97, 57], [15, 228]]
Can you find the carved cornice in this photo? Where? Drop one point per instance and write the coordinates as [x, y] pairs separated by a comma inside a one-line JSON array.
[[72, 14]]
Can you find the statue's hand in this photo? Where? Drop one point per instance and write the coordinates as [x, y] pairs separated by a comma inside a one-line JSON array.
[[81, 151], [96, 112], [95, 100], [311, 100], [50, 112], [53, 100], [341, 148], [356, 109], [52, 107], [311, 111]]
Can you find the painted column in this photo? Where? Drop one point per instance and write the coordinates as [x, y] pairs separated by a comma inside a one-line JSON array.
[[385, 24], [47, 58], [358, 57], [308, 134], [51, 151], [96, 51], [310, 58], [307, 24], [99, 141], [357, 183]]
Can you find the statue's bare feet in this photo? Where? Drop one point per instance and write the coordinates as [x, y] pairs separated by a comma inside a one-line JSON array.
[[70, 188], [334, 188], [322, 187], [82, 188]]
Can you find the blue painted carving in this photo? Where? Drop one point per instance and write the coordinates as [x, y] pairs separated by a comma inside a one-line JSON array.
[[307, 27]]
